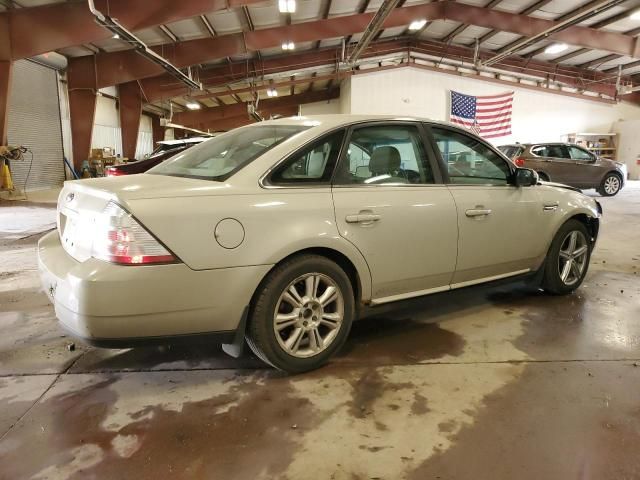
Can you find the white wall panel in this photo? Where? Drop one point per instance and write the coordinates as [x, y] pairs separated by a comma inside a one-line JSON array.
[[106, 125], [345, 95], [321, 108], [629, 145], [537, 116], [107, 132], [145, 137]]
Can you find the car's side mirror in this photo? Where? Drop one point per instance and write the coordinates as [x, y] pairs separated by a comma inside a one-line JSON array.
[[525, 177]]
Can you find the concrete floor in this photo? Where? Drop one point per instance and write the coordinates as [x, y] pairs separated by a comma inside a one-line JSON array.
[[488, 383]]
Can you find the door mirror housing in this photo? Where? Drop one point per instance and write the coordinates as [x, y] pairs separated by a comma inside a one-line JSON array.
[[525, 177]]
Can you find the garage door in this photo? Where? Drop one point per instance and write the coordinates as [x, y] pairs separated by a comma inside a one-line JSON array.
[[34, 122]]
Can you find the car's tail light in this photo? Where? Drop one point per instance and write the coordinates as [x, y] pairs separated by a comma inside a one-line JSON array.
[[119, 238], [113, 172], [519, 161]]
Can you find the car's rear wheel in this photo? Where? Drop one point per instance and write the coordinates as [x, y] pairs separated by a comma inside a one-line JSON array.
[[302, 314], [568, 259], [611, 185], [543, 176]]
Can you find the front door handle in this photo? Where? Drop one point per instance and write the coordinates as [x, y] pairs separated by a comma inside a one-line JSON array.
[[549, 207], [478, 212], [362, 218]]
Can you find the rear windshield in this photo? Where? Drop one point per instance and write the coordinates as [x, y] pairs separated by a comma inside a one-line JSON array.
[[222, 156], [511, 150]]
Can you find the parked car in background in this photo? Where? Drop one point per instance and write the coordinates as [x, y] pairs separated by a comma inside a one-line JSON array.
[[165, 149], [279, 231], [569, 164]]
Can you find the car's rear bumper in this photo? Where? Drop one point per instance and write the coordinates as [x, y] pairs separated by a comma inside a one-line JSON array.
[[115, 305]]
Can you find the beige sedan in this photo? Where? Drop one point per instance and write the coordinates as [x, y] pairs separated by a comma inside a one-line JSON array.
[[277, 233]]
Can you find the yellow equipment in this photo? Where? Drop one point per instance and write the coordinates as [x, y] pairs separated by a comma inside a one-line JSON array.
[[8, 153]]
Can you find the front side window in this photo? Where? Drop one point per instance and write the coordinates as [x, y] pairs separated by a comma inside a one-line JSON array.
[[580, 154], [314, 164], [385, 154], [551, 151], [511, 151], [222, 156], [469, 161]]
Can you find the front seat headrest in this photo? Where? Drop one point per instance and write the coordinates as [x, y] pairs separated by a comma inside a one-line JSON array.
[[384, 160]]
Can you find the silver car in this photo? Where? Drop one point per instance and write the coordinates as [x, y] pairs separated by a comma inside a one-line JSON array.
[[279, 231]]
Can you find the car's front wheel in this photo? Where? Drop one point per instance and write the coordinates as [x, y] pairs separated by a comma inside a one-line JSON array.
[[568, 259], [611, 185], [302, 314]]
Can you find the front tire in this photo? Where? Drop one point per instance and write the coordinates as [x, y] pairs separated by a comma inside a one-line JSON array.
[[302, 314], [611, 185], [568, 258]]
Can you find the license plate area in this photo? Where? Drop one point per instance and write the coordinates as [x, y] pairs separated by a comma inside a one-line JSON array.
[[75, 234]]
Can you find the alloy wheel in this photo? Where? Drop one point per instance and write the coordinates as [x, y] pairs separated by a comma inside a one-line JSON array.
[[611, 185], [308, 315], [572, 258]]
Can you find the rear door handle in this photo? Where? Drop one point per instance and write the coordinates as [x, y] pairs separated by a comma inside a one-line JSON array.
[[548, 207], [362, 218], [478, 212]]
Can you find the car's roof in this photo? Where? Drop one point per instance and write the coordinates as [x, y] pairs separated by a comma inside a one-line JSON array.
[[182, 141], [337, 120]]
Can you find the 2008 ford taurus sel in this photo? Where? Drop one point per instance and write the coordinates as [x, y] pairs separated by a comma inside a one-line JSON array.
[[278, 231]]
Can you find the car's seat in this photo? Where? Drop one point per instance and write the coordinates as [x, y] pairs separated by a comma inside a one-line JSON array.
[[317, 162], [385, 161]]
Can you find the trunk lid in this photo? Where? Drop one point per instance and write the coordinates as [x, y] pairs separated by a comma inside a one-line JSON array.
[[82, 203]]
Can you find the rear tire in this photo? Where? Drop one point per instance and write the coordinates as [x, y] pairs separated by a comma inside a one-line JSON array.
[[568, 258], [611, 185], [543, 176], [302, 314]]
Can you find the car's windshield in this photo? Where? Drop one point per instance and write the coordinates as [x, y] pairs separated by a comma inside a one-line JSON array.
[[222, 156]]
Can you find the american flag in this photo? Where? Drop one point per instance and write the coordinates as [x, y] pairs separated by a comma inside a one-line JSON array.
[[488, 115]]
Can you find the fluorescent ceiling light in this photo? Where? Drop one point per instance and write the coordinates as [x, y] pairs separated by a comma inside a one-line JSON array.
[[193, 106], [417, 24], [288, 46], [556, 48], [115, 35], [272, 92], [635, 15], [287, 6]]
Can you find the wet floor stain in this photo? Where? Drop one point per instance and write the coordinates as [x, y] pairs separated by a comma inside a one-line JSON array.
[[248, 432], [383, 340], [590, 323], [420, 404]]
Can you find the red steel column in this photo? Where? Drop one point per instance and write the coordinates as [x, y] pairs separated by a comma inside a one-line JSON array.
[[5, 84], [157, 129], [130, 111], [5, 77], [81, 78], [82, 109]]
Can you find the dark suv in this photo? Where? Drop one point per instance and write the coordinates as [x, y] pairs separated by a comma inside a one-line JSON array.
[[569, 164]]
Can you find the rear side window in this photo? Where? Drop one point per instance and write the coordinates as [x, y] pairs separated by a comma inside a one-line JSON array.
[[385, 154], [314, 164], [552, 151]]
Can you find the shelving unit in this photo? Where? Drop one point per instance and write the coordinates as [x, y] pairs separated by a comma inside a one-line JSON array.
[[602, 144]]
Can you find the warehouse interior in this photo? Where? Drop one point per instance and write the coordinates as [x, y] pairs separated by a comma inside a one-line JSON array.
[[497, 381]]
